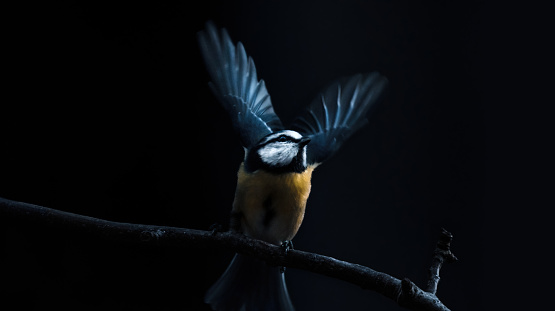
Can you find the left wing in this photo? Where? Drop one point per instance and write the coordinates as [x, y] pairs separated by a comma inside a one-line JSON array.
[[338, 113], [236, 86]]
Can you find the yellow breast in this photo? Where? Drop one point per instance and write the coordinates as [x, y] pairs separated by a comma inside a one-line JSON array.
[[272, 205]]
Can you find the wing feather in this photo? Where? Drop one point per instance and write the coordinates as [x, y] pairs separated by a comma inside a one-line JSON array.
[[235, 84], [338, 113]]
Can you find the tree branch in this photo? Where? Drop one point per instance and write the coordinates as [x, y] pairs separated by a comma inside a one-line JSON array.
[[442, 254], [404, 292]]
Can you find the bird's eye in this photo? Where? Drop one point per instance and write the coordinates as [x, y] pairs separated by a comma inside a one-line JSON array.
[[282, 138]]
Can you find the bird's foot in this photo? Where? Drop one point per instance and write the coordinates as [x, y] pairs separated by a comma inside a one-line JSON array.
[[286, 245], [216, 228]]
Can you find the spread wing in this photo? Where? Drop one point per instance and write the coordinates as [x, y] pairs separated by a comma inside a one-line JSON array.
[[236, 86], [338, 113]]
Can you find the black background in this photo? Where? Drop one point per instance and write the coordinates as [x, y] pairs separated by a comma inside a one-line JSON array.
[[109, 115]]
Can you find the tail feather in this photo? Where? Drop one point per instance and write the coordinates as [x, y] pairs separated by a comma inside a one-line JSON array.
[[249, 284]]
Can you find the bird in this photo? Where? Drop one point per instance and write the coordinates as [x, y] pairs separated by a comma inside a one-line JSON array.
[[274, 178]]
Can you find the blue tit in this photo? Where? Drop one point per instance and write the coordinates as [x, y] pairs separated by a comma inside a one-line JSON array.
[[273, 181]]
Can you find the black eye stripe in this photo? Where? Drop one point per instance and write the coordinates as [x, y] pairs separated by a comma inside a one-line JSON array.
[[279, 138]]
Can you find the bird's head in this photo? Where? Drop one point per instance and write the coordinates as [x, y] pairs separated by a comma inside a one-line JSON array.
[[279, 152]]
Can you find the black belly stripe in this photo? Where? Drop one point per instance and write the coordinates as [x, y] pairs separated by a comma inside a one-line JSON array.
[[269, 212]]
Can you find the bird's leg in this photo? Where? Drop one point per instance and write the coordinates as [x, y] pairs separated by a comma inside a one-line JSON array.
[[286, 245], [215, 228], [235, 221]]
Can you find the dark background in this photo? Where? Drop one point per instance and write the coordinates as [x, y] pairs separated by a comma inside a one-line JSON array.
[[108, 114]]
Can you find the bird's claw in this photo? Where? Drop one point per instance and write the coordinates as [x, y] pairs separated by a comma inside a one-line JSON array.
[[286, 246], [215, 228]]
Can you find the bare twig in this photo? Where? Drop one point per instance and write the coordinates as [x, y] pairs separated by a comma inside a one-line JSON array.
[[404, 292], [442, 254]]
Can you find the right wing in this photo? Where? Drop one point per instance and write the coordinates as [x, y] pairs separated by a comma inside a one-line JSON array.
[[236, 86]]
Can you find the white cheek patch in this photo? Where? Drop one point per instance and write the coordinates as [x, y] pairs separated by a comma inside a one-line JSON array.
[[278, 153]]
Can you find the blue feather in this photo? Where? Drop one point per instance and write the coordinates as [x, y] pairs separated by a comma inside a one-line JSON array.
[[235, 84], [346, 102], [249, 284]]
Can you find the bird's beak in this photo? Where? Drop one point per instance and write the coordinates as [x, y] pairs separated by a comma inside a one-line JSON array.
[[304, 141]]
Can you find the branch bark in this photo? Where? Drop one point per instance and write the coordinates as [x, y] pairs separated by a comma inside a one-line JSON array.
[[442, 254], [404, 292]]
